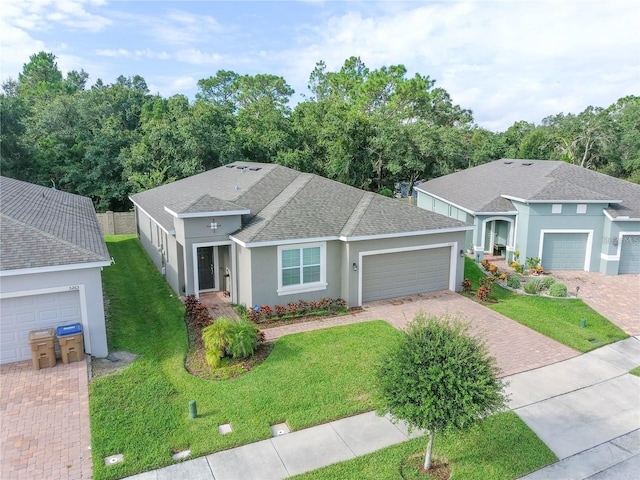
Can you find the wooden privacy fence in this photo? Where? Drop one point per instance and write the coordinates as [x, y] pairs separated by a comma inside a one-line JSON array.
[[117, 223]]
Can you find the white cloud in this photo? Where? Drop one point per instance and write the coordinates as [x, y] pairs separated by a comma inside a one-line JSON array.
[[168, 86], [178, 27], [507, 61], [124, 53]]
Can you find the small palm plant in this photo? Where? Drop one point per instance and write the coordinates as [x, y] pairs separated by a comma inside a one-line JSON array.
[[229, 337]]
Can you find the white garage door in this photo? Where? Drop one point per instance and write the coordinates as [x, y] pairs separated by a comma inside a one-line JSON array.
[[392, 275], [564, 251], [630, 254], [20, 315]]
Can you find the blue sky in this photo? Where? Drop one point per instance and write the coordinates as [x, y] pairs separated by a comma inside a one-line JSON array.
[[505, 60]]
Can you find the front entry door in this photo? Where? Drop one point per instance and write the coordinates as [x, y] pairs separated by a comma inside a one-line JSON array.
[[206, 279]]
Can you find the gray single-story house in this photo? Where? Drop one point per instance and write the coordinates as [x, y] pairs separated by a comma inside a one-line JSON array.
[[269, 235], [570, 217], [51, 255]]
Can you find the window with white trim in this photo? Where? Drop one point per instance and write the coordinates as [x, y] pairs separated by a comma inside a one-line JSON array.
[[301, 268], [556, 208], [581, 208]]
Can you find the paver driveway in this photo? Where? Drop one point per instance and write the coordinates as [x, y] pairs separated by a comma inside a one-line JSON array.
[[517, 348], [615, 297], [44, 418]]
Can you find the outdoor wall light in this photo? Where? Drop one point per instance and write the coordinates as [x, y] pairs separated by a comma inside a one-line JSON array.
[[462, 253], [213, 225], [355, 267]]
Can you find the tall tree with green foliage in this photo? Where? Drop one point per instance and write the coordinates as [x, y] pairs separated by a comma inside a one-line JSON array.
[[439, 378]]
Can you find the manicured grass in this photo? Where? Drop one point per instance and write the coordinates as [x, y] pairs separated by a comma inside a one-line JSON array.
[[142, 412], [635, 371], [501, 447], [553, 317]]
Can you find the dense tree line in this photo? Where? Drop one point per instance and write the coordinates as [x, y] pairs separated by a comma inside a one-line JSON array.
[[367, 128]]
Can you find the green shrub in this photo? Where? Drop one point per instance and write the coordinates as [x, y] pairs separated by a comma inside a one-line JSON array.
[[229, 337], [386, 192], [513, 281], [533, 286], [558, 290], [547, 282]]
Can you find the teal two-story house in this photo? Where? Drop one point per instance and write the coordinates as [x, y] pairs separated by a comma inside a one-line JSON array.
[[570, 217]]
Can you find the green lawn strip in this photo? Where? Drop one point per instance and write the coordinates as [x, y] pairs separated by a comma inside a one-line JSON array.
[[635, 371], [553, 317], [502, 447], [142, 412]]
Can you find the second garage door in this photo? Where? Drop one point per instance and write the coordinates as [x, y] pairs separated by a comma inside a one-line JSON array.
[[564, 251], [20, 315], [630, 254], [392, 275]]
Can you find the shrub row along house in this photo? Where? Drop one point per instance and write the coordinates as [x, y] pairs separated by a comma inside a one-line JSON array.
[[271, 235], [570, 217]]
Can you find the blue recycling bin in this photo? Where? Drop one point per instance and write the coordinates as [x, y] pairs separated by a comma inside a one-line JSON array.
[[71, 342]]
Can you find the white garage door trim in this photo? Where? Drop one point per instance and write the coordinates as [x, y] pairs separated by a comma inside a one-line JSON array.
[[452, 263], [626, 243], [66, 288], [587, 256]]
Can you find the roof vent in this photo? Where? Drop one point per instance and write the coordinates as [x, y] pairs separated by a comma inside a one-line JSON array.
[[241, 167], [508, 163], [526, 164], [255, 169], [237, 187]]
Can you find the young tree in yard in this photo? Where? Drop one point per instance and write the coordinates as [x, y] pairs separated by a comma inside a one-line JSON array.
[[439, 378]]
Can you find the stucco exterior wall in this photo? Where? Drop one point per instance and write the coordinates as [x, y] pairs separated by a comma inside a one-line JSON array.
[[88, 282], [540, 218]]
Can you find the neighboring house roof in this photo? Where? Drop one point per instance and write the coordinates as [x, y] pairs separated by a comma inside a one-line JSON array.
[[43, 227], [491, 187], [284, 204]]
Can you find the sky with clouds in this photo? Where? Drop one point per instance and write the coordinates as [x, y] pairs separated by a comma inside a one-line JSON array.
[[506, 60]]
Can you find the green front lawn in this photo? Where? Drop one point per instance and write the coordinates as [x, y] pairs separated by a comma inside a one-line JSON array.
[[554, 317], [142, 412], [500, 448]]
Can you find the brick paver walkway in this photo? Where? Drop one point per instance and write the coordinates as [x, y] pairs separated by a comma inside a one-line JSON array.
[[517, 348], [44, 418]]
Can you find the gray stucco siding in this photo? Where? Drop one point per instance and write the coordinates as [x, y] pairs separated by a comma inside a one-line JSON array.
[[616, 235], [87, 281], [263, 277], [541, 221]]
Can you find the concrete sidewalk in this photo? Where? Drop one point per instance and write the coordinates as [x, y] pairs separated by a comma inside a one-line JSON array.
[[586, 409], [292, 453]]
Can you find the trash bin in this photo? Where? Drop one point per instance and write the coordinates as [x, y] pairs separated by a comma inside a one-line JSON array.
[[71, 344], [43, 348]]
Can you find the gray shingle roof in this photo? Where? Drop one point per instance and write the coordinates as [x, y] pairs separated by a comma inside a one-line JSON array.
[[42, 227], [482, 188], [289, 205]]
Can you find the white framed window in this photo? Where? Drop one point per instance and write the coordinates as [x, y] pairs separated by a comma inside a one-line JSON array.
[[301, 268], [556, 208], [581, 208]]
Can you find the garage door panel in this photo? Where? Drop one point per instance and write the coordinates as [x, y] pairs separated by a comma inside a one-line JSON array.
[[20, 315], [564, 251], [392, 275], [630, 254]]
